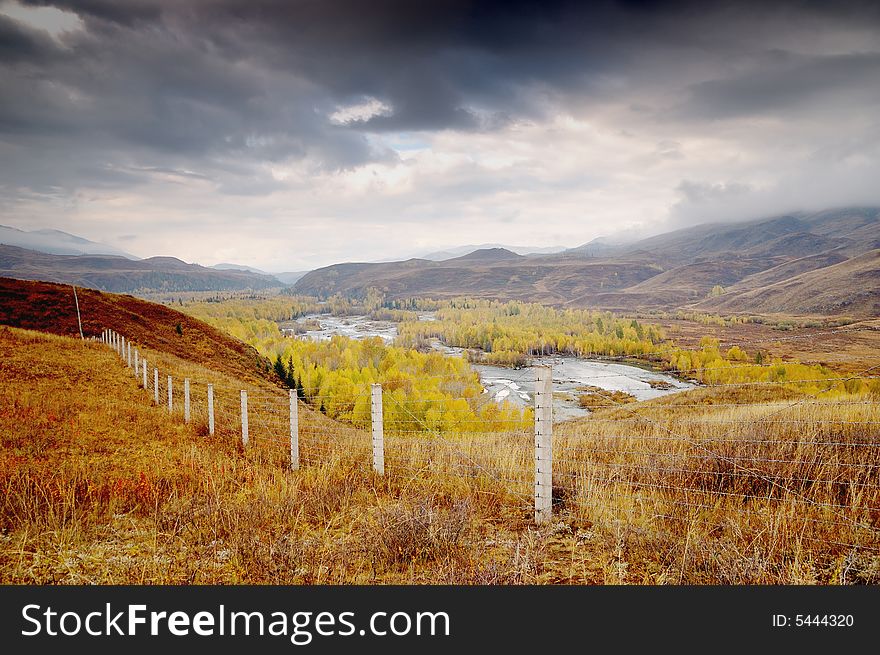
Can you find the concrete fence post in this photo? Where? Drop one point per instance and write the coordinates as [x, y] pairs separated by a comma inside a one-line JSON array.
[[543, 444], [244, 419], [121, 349], [128, 353], [294, 431], [211, 409], [144, 369], [170, 397], [136, 363], [186, 400], [156, 385], [378, 429]]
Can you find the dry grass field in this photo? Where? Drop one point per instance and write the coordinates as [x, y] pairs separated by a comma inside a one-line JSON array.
[[731, 486]]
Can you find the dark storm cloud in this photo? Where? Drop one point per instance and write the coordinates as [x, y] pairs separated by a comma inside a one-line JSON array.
[[17, 44], [787, 85], [224, 87]]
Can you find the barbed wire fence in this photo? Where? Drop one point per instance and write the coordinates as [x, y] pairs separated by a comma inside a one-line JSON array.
[[800, 472]]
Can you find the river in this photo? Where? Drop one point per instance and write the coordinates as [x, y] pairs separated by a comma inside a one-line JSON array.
[[515, 385]]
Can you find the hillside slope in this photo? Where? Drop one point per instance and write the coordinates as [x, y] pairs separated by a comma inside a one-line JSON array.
[[49, 307], [121, 275], [790, 236], [539, 279], [848, 288]]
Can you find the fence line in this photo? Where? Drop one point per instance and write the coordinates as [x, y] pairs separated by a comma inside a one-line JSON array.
[[593, 467]]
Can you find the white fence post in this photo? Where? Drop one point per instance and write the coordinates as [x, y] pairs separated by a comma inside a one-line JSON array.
[[294, 431], [170, 403], [144, 368], [543, 444], [136, 363], [121, 349], [186, 400], [211, 409], [128, 353], [244, 419], [156, 385], [378, 432]]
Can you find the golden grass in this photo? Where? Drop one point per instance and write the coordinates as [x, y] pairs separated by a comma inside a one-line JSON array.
[[101, 487]]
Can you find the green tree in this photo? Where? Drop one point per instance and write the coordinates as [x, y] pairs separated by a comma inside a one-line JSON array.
[[280, 370]]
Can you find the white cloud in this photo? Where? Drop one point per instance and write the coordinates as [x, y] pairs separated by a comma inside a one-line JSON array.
[[54, 21]]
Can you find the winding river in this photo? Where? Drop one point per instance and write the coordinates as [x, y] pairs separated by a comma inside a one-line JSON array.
[[513, 385]]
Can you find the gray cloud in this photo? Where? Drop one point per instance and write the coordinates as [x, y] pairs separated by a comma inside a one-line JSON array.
[[788, 85], [236, 98]]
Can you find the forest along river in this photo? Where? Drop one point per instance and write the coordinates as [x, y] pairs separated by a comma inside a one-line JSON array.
[[514, 385]]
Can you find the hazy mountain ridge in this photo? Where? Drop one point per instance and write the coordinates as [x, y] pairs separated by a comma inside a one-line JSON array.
[[458, 251], [121, 275], [56, 242]]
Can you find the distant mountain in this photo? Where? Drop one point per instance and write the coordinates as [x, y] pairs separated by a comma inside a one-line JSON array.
[[451, 253], [121, 275], [238, 267], [488, 255], [56, 242], [289, 277], [751, 260], [487, 274], [788, 236], [599, 247]]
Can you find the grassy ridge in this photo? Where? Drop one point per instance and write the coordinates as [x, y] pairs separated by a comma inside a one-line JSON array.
[[49, 307]]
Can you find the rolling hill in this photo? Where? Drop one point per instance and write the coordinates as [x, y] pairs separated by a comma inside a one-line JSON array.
[[480, 275], [850, 287], [667, 271], [49, 307], [121, 275]]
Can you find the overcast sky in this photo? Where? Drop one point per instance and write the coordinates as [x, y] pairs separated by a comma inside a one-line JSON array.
[[290, 134]]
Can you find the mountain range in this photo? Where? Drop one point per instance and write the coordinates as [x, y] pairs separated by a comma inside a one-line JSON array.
[[458, 251], [804, 263], [56, 242], [816, 263], [121, 275]]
